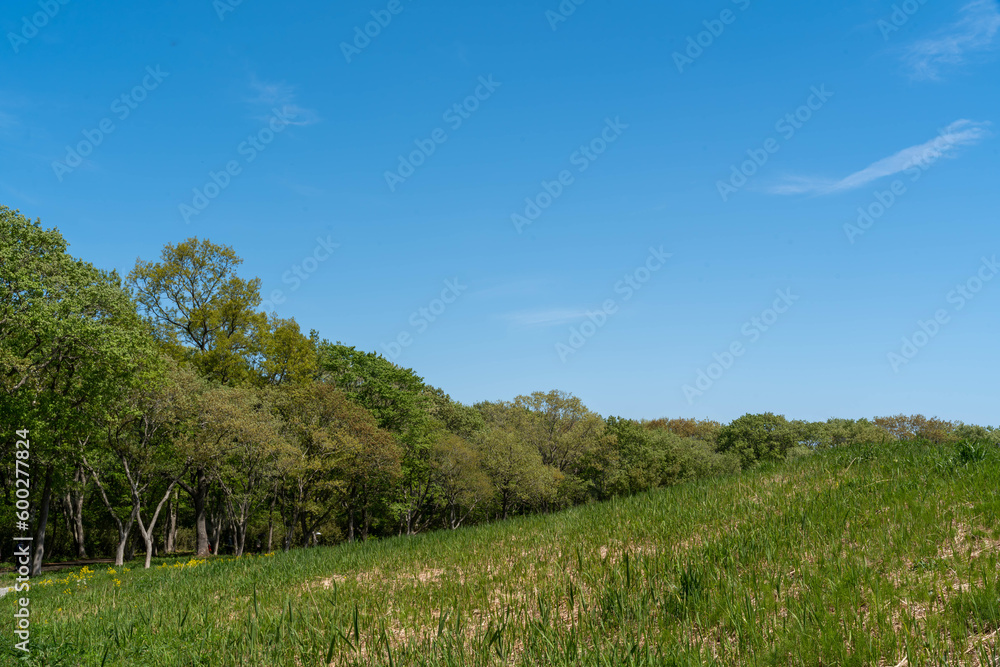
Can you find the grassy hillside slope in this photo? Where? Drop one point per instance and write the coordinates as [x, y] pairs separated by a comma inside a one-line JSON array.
[[861, 556]]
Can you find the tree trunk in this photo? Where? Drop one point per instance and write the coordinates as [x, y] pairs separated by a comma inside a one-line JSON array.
[[79, 537], [240, 538], [73, 508], [305, 530], [124, 540], [270, 518], [216, 526], [199, 498], [130, 544], [201, 528], [54, 542], [147, 533], [289, 524], [120, 553], [170, 538], [124, 530], [166, 528], [67, 514], [43, 520]]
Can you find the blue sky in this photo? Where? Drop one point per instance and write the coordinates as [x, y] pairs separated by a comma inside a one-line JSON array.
[[611, 198]]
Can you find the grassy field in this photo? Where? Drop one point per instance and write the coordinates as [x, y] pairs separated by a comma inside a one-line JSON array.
[[861, 556]]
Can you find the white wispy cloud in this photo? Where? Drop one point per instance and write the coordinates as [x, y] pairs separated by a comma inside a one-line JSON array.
[[973, 33], [270, 94], [960, 133], [544, 318]]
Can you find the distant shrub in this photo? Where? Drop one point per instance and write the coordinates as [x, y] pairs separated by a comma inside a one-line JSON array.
[[758, 438], [628, 463], [687, 458], [799, 451], [839, 433], [976, 433], [914, 427], [636, 458], [699, 429], [699, 459]]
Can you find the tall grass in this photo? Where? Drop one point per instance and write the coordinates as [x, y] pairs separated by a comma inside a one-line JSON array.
[[860, 556]]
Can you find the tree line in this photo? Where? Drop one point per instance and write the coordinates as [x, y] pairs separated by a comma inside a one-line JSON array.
[[167, 412]]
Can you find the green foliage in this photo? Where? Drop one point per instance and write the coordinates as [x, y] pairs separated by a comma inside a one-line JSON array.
[[70, 339], [577, 457], [457, 471], [283, 354], [971, 432], [462, 420], [758, 438], [840, 433], [200, 309], [516, 471], [914, 427], [706, 430], [563, 430], [687, 459], [343, 460], [394, 395], [629, 463]]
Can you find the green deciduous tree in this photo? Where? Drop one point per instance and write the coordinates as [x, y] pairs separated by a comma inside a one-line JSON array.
[[392, 394], [283, 354], [253, 452], [562, 429], [396, 397], [457, 471], [139, 434], [70, 341], [516, 471], [204, 444], [757, 438], [629, 463], [687, 459], [201, 310], [974, 433], [343, 460]]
